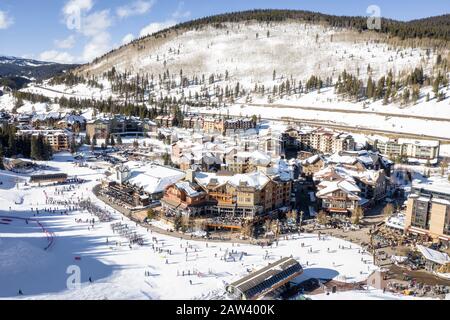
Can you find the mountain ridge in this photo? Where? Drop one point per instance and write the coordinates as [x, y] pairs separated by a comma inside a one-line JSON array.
[[16, 67], [435, 27]]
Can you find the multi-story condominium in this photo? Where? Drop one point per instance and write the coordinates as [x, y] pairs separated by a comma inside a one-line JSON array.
[[217, 125], [312, 165], [415, 150], [361, 160], [327, 141], [339, 196], [342, 188], [239, 124], [421, 149], [428, 210], [99, 128], [242, 195], [59, 140], [213, 125], [193, 122], [319, 140], [167, 121], [185, 197], [103, 127], [246, 162]]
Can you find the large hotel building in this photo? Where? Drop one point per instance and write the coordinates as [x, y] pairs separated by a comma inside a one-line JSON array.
[[428, 211]]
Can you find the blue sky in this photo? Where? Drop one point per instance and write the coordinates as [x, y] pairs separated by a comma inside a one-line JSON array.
[[79, 30]]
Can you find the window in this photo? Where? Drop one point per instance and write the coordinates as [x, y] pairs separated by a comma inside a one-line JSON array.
[[420, 214], [447, 221]]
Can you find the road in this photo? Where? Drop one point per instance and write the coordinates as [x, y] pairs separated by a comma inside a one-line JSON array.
[[330, 124], [339, 110], [347, 128]]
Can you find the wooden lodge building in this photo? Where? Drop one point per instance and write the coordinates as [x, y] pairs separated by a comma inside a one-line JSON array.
[[224, 194], [48, 178]]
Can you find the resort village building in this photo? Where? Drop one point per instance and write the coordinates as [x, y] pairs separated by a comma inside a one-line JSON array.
[[428, 210], [59, 140], [103, 127], [420, 151], [341, 189], [229, 195], [319, 140], [139, 184]]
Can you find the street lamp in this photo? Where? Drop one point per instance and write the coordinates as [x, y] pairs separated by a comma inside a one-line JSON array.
[[300, 224]]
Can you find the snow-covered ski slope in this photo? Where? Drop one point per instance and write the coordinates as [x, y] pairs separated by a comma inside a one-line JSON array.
[[250, 52], [119, 272]]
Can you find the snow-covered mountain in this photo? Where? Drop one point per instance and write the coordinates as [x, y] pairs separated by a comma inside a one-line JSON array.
[[23, 62], [29, 68], [240, 66], [252, 44]]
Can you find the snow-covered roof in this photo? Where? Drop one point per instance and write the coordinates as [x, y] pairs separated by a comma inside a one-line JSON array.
[[433, 184], [71, 119], [419, 143], [205, 178], [255, 179], [344, 185], [433, 255], [186, 187], [397, 222], [151, 177], [311, 160], [336, 158], [257, 157]]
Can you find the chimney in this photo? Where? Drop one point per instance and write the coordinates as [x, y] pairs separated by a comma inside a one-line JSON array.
[[190, 175]]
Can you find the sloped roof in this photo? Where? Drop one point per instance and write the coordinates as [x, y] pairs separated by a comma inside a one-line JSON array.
[[268, 278], [188, 188], [433, 255], [344, 185], [151, 177]]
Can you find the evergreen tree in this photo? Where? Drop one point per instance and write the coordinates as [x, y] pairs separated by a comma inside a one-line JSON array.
[[35, 149], [406, 95], [12, 146], [73, 145], [2, 167], [370, 88]]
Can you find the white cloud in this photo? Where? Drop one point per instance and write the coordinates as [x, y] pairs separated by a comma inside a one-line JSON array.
[[96, 23], [5, 21], [67, 43], [136, 8], [179, 13], [128, 38], [157, 26], [97, 46], [77, 6], [175, 17], [56, 56]]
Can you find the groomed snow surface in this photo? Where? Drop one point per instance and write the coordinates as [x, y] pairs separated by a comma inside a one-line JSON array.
[[119, 272]]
